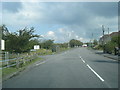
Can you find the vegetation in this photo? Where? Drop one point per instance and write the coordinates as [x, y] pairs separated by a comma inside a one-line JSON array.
[[11, 70], [62, 45], [95, 42], [111, 45], [47, 44], [19, 42], [74, 43], [24, 40]]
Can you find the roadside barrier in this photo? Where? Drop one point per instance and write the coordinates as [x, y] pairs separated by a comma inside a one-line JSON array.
[[17, 62]]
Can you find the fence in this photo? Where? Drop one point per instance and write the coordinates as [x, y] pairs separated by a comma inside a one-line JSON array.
[[5, 62], [16, 60]]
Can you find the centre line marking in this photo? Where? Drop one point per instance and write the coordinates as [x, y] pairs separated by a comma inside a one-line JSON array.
[[82, 59], [95, 73]]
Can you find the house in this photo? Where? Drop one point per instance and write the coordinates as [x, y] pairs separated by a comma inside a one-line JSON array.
[[114, 34], [107, 37]]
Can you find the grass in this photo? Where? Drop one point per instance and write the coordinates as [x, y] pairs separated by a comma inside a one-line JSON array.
[[8, 71], [11, 70], [43, 52], [33, 61]]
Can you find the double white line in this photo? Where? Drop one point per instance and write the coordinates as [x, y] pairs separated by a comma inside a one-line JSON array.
[[92, 70]]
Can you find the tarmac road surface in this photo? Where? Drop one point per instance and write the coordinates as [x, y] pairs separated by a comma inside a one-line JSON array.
[[75, 68]]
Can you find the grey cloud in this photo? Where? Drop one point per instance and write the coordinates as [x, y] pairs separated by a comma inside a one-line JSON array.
[[77, 13], [106, 9], [65, 13], [11, 6], [82, 17]]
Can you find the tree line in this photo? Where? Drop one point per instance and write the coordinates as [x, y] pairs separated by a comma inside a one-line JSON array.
[[24, 40]]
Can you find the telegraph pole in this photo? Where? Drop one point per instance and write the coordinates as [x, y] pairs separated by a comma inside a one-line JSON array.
[[108, 31], [103, 43], [92, 41], [68, 41], [109, 34]]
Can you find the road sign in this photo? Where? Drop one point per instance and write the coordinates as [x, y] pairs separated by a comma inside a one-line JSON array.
[[2, 45], [36, 47]]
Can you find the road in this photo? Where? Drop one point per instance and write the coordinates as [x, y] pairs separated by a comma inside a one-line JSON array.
[[75, 68]]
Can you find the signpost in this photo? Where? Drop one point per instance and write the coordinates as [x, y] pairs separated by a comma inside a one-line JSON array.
[[36, 47], [2, 45]]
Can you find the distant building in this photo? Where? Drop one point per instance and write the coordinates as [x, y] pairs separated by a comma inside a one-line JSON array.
[[114, 34], [107, 37]]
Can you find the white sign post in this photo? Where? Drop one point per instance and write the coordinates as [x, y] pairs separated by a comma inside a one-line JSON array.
[[2, 45], [36, 47]]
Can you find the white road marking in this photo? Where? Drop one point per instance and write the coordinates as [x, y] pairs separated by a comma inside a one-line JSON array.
[[40, 63], [82, 59], [92, 70], [95, 73]]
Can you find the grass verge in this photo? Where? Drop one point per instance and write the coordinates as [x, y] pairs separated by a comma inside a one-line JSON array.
[[8, 72], [11, 71]]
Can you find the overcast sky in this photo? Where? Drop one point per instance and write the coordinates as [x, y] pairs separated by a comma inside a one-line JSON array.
[[61, 21]]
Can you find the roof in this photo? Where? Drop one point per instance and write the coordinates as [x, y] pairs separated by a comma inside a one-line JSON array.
[[114, 34]]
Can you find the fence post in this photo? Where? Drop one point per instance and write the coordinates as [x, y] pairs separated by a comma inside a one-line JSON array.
[[24, 61], [17, 62], [7, 58]]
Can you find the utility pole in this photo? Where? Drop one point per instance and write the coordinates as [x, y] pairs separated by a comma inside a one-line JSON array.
[[103, 42], [68, 41], [92, 41], [108, 31], [109, 34]]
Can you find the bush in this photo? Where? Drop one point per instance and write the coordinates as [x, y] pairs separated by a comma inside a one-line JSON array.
[[109, 47], [98, 47]]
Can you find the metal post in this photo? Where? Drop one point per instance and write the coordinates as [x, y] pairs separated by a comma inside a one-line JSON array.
[[103, 42], [92, 41], [7, 58], [68, 41], [108, 31], [109, 34]]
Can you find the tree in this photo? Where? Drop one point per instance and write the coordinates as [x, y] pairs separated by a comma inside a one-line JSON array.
[[33, 42], [4, 32], [20, 41], [47, 44], [115, 40], [63, 45], [110, 46], [74, 43], [95, 42]]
